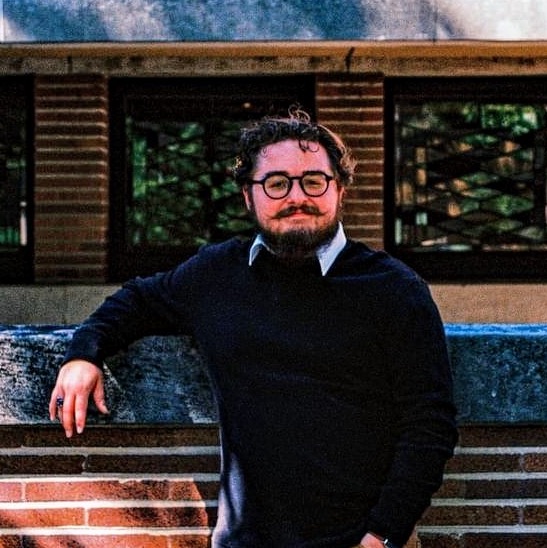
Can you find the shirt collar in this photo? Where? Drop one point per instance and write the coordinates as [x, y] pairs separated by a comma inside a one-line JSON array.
[[326, 254]]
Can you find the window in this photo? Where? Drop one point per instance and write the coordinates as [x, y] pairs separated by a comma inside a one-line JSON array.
[[15, 184], [173, 145], [467, 176]]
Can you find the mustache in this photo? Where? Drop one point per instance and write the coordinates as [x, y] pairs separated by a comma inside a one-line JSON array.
[[291, 210]]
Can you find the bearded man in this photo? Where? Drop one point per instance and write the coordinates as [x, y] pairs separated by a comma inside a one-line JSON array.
[[327, 358]]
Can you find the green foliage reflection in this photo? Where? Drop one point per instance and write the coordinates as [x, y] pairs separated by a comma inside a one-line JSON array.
[[182, 190]]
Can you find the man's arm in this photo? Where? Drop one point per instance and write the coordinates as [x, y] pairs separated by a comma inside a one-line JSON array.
[[141, 307], [370, 541], [421, 393]]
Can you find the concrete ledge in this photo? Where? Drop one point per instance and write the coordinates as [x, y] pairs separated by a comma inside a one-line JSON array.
[[499, 372], [157, 380]]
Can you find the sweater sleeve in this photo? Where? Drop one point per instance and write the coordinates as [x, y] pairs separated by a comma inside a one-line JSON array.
[[141, 307], [422, 393]]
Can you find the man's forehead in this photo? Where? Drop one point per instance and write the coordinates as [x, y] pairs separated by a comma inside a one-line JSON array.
[[293, 147]]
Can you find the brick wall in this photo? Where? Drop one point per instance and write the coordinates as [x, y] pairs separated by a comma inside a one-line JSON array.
[[71, 178], [156, 486], [494, 491], [71, 166], [133, 487], [353, 106]]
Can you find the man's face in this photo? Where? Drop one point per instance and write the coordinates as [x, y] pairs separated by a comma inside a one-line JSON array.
[[297, 218]]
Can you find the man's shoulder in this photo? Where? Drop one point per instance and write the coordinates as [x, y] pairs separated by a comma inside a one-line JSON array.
[[361, 257], [234, 250], [383, 274], [227, 247]]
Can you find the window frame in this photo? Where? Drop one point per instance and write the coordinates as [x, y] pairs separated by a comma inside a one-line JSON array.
[[192, 96], [459, 266], [17, 265]]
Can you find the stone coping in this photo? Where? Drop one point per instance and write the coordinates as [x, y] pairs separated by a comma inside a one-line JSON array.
[[499, 376], [156, 380], [499, 371]]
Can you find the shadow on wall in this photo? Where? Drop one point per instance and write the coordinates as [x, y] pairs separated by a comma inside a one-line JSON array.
[[172, 20], [147, 506]]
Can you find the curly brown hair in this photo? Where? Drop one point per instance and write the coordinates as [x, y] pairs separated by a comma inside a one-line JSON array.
[[297, 126]]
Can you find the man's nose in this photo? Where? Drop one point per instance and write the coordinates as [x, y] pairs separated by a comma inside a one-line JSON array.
[[296, 194]]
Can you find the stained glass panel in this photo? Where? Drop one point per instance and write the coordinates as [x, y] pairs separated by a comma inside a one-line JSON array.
[[470, 176]]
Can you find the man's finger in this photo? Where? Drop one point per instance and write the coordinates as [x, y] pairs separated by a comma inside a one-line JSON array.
[[55, 403], [80, 412], [66, 416]]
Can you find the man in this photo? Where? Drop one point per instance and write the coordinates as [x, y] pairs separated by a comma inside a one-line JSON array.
[[327, 359]]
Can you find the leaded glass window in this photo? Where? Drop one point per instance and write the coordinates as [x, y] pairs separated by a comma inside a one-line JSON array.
[[15, 199], [173, 146], [182, 191], [469, 179]]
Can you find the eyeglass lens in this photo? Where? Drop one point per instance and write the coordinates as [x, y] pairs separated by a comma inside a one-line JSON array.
[[312, 184]]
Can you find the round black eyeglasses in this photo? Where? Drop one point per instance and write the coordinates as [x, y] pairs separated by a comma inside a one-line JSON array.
[[278, 185]]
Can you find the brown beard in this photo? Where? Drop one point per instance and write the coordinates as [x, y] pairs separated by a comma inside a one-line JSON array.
[[297, 245]]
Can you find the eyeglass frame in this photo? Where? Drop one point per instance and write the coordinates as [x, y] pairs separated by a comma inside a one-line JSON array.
[[299, 178]]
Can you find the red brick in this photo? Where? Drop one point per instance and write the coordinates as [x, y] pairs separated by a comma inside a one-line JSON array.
[[72, 156], [534, 462], [451, 489], [41, 464], [90, 541], [428, 540], [156, 464], [74, 142], [493, 540], [534, 514], [110, 436], [47, 116], [97, 490], [11, 491], [11, 541], [506, 488], [42, 517], [484, 463], [190, 490], [190, 541], [476, 514], [153, 516], [502, 435]]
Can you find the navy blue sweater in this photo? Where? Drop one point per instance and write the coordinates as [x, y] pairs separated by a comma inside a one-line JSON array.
[[334, 392]]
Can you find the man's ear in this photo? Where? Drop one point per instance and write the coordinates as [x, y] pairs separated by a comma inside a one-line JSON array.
[[341, 195], [246, 190]]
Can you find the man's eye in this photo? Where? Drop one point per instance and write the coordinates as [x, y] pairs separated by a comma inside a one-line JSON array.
[[276, 183], [313, 181]]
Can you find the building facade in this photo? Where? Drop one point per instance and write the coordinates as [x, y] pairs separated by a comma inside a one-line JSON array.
[[71, 221], [77, 79]]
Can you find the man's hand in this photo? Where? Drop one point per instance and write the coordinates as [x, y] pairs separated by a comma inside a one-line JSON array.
[[370, 541], [76, 382]]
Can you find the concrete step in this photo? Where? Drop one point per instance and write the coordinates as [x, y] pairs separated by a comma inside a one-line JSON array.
[[494, 492], [524, 536]]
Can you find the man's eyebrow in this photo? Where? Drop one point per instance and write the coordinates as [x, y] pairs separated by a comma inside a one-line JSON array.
[[270, 173]]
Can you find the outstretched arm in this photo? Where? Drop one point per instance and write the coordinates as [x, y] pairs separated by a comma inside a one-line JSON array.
[[144, 306]]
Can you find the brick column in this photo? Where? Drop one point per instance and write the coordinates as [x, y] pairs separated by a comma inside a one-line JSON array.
[[71, 178], [353, 106]]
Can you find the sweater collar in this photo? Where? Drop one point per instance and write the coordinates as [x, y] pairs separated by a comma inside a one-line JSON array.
[[326, 254]]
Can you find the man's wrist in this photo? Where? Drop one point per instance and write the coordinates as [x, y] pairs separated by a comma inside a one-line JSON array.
[[373, 540]]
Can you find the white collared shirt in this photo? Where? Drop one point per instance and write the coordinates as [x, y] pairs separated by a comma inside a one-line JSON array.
[[326, 254]]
